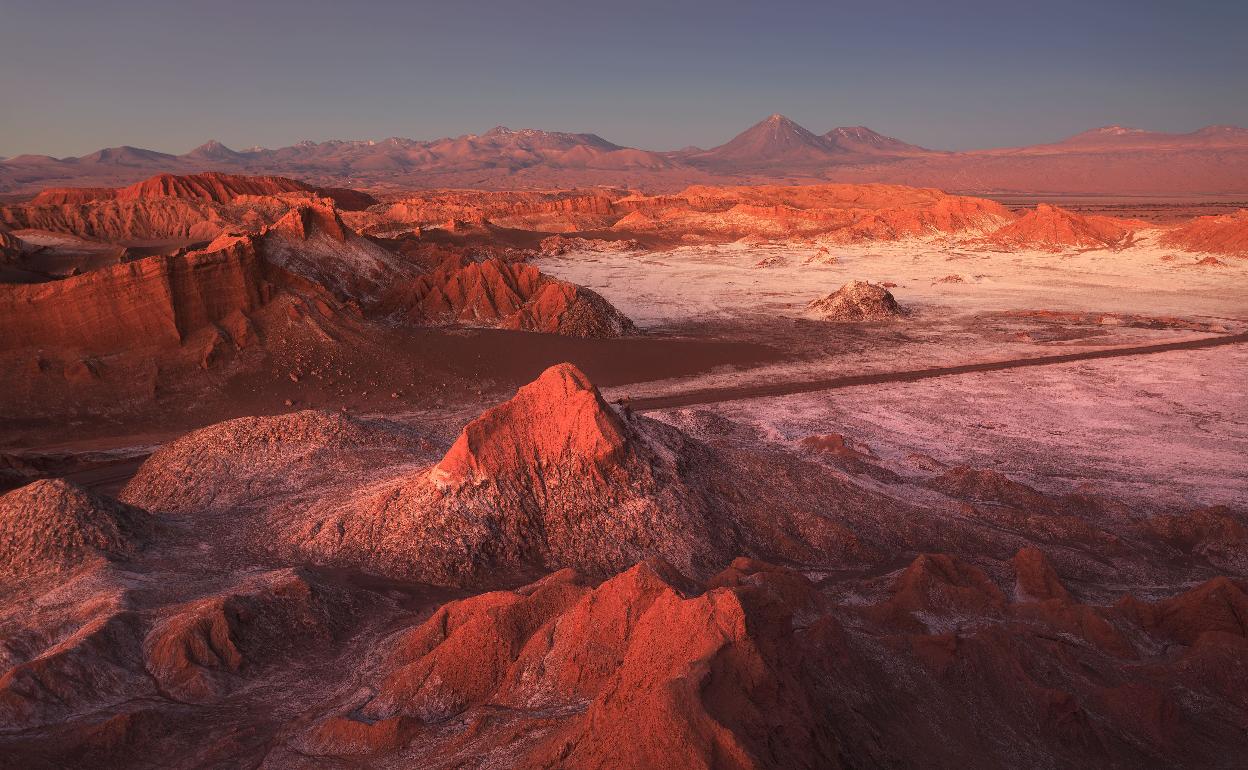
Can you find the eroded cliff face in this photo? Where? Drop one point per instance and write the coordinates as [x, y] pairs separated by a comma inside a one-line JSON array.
[[210, 186], [151, 302], [196, 207]]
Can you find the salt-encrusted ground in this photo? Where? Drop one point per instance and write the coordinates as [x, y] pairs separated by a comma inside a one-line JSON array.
[[1168, 429]]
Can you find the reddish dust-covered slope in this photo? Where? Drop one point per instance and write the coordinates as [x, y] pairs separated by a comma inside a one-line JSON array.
[[1225, 234], [1052, 228]]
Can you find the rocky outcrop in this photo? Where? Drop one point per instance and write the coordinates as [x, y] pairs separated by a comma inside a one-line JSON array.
[[312, 241], [506, 295], [201, 650], [837, 213], [1222, 234], [182, 209], [55, 526], [558, 245], [152, 302], [856, 301], [123, 221], [10, 248], [1050, 228], [554, 477], [209, 186], [689, 681], [563, 586]]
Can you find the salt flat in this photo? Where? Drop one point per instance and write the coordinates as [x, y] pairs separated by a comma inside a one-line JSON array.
[[1167, 429]]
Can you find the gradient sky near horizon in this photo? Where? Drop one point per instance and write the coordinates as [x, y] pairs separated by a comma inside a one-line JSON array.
[[77, 76]]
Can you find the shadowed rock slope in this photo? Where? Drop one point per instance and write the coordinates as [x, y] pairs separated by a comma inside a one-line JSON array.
[[566, 584]]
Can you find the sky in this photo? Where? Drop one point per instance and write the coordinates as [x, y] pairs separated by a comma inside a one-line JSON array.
[[77, 76]]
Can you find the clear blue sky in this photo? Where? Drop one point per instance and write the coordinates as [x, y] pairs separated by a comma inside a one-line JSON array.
[[77, 76]]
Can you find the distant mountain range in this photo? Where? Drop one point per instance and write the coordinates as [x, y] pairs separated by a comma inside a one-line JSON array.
[[1109, 160]]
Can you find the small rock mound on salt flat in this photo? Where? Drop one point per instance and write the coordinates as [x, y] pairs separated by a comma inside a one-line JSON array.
[[856, 301], [54, 525]]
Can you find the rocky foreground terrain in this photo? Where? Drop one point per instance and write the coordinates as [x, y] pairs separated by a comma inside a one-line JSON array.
[[299, 476], [572, 584]]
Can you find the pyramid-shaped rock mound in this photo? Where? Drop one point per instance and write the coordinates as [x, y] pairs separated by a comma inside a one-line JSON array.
[[54, 526], [553, 478], [1052, 228], [856, 301], [557, 421], [1036, 578]]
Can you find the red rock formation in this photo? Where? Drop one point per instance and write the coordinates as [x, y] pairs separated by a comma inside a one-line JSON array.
[[10, 248], [171, 208], [553, 478], [841, 213], [1215, 533], [650, 652], [200, 650], [124, 221], [941, 584], [311, 241], [1223, 234], [1036, 578], [1217, 607], [560, 417], [507, 295], [692, 681], [557, 245], [151, 302], [209, 186], [1051, 228]]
